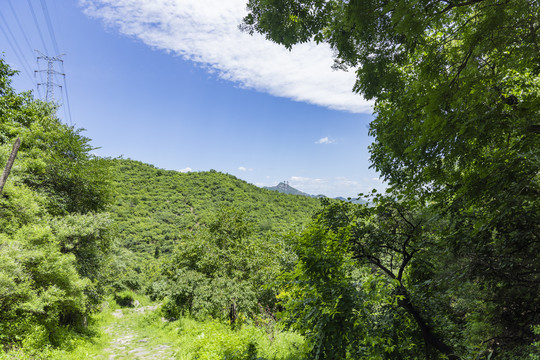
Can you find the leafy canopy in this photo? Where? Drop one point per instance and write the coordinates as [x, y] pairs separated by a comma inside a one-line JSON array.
[[457, 121], [456, 83]]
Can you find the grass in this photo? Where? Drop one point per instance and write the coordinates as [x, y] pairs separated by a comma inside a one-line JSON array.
[[210, 339]]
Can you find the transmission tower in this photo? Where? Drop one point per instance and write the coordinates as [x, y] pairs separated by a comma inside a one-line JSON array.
[[49, 95]]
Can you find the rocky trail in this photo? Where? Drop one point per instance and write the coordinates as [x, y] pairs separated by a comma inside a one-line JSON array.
[[131, 341]]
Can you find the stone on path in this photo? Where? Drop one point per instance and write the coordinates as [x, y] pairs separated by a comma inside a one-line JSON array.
[[127, 343]]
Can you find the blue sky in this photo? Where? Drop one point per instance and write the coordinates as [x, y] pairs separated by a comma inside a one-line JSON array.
[[177, 85]]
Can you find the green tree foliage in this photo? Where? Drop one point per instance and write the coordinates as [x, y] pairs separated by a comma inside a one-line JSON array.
[[41, 288], [219, 270], [381, 282], [53, 235], [457, 87], [321, 297], [89, 238], [54, 159]]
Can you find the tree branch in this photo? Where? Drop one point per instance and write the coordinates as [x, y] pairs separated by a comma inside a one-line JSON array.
[[9, 164], [454, 5], [427, 333], [462, 66]]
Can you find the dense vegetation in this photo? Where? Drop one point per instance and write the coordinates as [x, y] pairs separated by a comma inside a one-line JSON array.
[[76, 229], [445, 265], [203, 242], [154, 206], [54, 235]]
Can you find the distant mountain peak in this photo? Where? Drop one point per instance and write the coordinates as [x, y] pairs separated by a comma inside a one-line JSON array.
[[285, 188]]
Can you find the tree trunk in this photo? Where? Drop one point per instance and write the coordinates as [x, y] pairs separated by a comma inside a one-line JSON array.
[[427, 333], [9, 164]]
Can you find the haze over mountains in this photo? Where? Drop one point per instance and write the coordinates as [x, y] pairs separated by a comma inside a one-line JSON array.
[[284, 188]]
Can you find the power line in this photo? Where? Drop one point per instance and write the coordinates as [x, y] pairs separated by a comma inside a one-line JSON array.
[[28, 69], [37, 26], [63, 102], [50, 72], [37, 84], [30, 48], [67, 97], [67, 93], [55, 45], [15, 47], [49, 25]]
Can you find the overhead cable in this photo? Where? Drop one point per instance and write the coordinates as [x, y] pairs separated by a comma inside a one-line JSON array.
[[37, 26], [21, 28], [15, 47], [49, 25]]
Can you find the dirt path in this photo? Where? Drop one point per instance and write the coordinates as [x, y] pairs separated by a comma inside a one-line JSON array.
[[130, 342]]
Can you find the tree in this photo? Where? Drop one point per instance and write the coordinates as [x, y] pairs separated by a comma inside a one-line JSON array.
[[456, 84], [220, 266], [457, 114], [53, 234], [375, 282]]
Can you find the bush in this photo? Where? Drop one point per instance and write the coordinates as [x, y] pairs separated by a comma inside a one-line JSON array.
[[52, 235], [220, 267], [40, 286], [125, 298]]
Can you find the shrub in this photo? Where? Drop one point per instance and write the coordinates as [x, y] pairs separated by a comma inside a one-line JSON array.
[[125, 298]]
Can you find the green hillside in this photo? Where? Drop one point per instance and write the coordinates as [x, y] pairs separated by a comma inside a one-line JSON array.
[[154, 206]]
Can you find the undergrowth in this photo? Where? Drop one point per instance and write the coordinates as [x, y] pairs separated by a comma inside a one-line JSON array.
[[186, 339], [210, 339]]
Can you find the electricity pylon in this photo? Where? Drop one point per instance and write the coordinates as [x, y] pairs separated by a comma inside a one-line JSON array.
[[49, 95]]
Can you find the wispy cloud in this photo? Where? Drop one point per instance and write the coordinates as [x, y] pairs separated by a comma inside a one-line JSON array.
[[313, 186], [337, 186], [206, 32], [345, 182], [243, 168], [325, 140], [307, 180], [186, 169]]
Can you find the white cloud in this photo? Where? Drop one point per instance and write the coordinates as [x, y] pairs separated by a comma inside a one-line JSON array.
[[325, 140], [206, 32], [242, 168], [185, 170]]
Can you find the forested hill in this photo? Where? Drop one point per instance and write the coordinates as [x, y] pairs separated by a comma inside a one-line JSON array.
[[154, 206]]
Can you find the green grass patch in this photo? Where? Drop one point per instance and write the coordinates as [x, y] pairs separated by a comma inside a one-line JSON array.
[[209, 340]]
